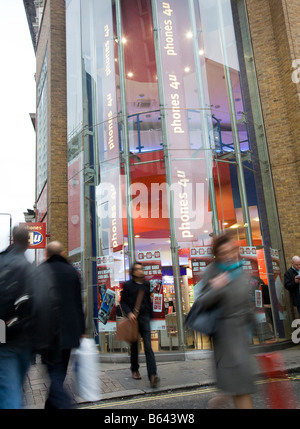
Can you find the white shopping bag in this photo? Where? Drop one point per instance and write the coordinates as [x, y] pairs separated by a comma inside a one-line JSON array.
[[86, 361]]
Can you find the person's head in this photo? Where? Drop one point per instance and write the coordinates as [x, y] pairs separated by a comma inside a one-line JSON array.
[[296, 262], [20, 237], [225, 248], [136, 271], [54, 248]]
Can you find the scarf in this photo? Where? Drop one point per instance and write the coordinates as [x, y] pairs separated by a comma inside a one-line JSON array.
[[234, 270]]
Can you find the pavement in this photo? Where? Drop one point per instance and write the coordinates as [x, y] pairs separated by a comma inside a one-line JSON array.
[[177, 370]]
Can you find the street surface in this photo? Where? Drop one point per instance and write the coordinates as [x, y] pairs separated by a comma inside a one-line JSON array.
[[274, 394]]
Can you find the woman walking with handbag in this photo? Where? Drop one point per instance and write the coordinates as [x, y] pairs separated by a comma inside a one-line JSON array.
[[128, 301], [225, 285]]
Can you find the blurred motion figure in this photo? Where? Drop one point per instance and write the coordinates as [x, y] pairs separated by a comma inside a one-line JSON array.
[[65, 325], [225, 285], [16, 310]]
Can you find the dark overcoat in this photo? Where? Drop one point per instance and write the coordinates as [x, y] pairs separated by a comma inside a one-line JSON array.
[[292, 286], [68, 284]]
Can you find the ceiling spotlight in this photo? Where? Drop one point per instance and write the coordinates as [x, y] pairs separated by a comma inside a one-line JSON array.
[[189, 34], [130, 74], [201, 52], [124, 40], [187, 69]]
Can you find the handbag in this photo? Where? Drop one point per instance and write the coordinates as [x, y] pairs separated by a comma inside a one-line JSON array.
[[203, 321], [128, 330]]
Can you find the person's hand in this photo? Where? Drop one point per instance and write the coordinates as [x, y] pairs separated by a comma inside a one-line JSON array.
[[297, 279], [219, 281], [131, 316]]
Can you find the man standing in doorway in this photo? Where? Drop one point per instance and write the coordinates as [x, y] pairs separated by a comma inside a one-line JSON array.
[[128, 299], [292, 282]]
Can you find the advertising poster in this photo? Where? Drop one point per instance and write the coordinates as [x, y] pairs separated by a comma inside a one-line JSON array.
[[106, 294], [278, 285], [151, 261], [250, 262], [201, 257], [250, 268]]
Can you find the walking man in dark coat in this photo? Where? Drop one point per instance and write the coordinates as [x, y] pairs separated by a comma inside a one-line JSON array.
[[128, 299], [71, 325]]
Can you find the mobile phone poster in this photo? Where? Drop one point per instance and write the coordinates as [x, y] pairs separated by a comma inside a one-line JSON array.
[[108, 294], [151, 262]]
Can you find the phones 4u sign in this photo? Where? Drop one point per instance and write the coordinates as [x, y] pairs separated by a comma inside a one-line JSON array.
[[37, 234]]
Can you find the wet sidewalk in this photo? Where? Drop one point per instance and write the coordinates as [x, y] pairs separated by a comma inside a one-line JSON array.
[[176, 371]]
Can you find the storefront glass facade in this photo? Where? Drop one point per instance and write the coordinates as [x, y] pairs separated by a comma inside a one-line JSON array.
[[163, 153]]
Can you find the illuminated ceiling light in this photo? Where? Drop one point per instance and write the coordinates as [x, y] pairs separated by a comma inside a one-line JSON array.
[[189, 34], [256, 219], [137, 236], [236, 225], [130, 74], [124, 40], [187, 69], [201, 52], [225, 223]]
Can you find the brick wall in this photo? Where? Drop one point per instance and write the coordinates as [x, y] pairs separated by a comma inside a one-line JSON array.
[[52, 36], [275, 33]]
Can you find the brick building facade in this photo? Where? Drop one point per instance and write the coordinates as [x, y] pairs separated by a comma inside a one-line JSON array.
[[268, 45], [275, 34]]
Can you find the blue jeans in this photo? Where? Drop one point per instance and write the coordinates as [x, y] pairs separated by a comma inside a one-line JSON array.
[[14, 364]]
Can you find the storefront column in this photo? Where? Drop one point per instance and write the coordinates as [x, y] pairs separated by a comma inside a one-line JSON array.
[[235, 134], [204, 121], [173, 238], [125, 138]]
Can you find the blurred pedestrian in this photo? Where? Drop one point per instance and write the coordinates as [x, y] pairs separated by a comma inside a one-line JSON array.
[[129, 295], [224, 284], [70, 329], [292, 282], [16, 283]]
